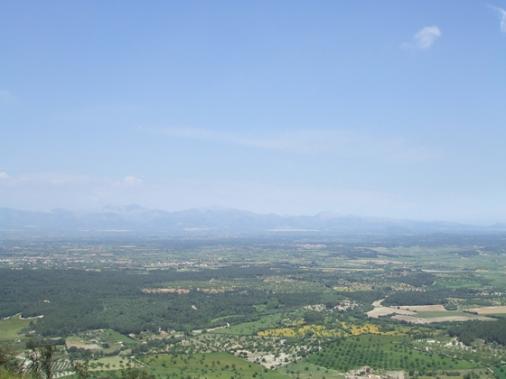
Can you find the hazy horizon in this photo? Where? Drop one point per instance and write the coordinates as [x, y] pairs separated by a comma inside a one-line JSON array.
[[282, 107], [217, 210]]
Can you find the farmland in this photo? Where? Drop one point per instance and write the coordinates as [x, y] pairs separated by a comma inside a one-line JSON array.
[[265, 189], [263, 310], [211, 365], [382, 352], [493, 310]]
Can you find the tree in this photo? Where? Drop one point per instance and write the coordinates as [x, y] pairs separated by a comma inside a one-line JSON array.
[[136, 374], [82, 370], [313, 317], [42, 361], [8, 365], [46, 360]]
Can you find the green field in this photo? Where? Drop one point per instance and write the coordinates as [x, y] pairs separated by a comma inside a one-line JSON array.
[[11, 328], [382, 352], [433, 314], [305, 370], [312, 306], [113, 336], [500, 372], [206, 365], [111, 363]]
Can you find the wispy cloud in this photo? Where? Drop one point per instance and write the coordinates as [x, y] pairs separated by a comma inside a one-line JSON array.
[[424, 38], [342, 142], [47, 190], [57, 179], [502, 16], [131, 180], [295, 141]]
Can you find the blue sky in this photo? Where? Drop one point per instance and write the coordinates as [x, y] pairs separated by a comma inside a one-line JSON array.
[[375, 108]]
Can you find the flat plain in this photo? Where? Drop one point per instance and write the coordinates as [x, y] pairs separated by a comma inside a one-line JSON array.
[[265, 309]]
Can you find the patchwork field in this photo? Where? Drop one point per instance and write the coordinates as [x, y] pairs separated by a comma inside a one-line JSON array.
[[80, 343], [422, 318], [423, 308], [380, 310], [425, 314], [387, 311], [105, 340], [280, 315]]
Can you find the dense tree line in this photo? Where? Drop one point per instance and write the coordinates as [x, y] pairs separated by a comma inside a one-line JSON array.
[[76, 300], [490, 331], [418, 278]]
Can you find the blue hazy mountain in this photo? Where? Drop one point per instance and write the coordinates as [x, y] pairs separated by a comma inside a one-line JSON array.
[[220, 222]]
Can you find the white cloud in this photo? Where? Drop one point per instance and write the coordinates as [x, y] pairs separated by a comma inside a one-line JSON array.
[[502, 15], [131, 180], [424, 38], [342, 142], [4, 175]]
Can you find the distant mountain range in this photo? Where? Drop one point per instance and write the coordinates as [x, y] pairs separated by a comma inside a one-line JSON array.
[[219, 222]]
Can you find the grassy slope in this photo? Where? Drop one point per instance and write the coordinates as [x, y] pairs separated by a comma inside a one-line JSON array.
[[10, 328], [305, 370], [207, 365]]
